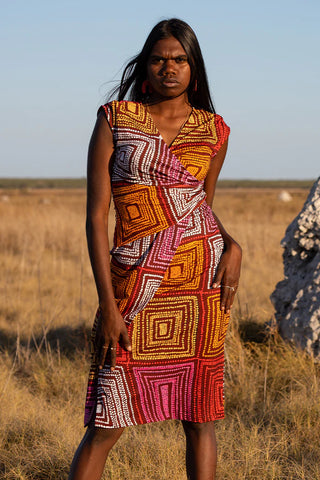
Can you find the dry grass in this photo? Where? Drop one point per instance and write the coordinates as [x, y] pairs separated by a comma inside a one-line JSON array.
[[271, 429]]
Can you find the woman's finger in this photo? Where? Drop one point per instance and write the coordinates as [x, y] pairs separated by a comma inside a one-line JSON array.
[[229, 300], [125, 341], [227, 297], [113, 357], [103, 354], [218, 277], [224, 298], [233, 296]]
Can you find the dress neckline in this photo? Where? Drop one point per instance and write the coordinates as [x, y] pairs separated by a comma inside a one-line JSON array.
[[158, 131]]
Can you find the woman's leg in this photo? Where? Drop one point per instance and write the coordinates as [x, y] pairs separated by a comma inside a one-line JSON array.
[[201, 451], [90, 457]]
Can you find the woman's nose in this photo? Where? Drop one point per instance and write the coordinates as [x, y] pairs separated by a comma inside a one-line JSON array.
[[169, 66]]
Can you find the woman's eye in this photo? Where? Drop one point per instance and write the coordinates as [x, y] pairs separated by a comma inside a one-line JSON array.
[[157, 60], [181, 59]]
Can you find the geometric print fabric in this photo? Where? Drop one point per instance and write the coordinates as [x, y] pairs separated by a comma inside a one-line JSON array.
[[167, 246], [161, 332]]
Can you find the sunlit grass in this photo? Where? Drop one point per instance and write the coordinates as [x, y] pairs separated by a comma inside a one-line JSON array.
[[271, 430]]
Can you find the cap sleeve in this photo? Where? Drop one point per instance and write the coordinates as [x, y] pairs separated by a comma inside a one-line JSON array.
[[108, 112], [222, 131]]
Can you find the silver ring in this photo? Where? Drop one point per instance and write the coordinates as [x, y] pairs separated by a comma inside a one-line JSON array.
[[228, 286], [113, 348]]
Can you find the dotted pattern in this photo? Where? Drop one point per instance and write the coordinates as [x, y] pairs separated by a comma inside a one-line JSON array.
[[163, 261]]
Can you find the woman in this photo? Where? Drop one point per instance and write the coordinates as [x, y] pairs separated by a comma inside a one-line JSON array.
[[164, 300]]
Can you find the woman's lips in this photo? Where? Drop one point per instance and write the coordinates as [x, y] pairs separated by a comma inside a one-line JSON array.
[[169, 82]]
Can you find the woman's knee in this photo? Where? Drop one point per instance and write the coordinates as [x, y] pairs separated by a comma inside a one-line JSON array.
[[107, 436], [197, 428]]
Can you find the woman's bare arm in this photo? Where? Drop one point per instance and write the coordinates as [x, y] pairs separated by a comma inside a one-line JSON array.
[[228, 271], [111, 328]]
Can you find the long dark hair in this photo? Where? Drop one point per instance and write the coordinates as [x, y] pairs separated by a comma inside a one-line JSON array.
[[135, 72]]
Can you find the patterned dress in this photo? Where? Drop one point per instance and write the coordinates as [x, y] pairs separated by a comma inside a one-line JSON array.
[[167, 246]]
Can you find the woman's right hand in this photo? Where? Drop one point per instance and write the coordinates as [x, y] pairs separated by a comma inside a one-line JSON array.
[[111, 330]]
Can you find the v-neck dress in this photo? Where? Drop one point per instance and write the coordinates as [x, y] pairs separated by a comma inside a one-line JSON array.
[[166, 249]]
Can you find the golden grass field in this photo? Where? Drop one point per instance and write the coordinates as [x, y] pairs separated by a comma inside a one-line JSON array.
[[48, 300]]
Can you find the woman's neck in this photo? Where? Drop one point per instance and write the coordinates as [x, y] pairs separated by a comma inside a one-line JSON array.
[[169, 107]]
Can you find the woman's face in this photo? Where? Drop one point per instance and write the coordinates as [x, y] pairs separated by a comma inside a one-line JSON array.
[[168, 70]]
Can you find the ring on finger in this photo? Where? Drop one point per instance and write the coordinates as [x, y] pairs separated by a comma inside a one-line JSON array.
[[231, 288]]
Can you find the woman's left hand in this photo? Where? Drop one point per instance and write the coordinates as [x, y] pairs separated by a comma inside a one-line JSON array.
[[228, 273]]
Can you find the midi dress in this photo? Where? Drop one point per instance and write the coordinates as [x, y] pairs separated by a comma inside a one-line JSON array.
[[166, 249]]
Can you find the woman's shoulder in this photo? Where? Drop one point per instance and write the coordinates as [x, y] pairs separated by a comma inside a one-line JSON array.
[[206, 116], [214, 119], [124, 113], [213, 123], [122, 106]]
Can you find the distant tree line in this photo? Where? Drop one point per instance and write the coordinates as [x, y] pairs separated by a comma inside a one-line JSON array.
[[25, 183]]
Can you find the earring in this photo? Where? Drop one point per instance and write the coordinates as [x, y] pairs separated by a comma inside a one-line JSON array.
[[195, 88], [144, 87]]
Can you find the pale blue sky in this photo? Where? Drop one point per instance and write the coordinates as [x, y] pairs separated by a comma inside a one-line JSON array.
[[59, 57]]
